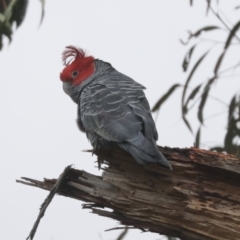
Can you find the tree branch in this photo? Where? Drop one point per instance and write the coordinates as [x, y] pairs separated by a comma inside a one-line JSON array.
[[198, 200], [222, 21]]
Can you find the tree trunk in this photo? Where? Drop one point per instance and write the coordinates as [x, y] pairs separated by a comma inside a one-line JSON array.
[[199, 199]]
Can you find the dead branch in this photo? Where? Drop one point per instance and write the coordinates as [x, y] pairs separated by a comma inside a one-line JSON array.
[[199, 199]]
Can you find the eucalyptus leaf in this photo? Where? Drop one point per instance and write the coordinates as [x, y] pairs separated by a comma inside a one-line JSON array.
[[6, 29], [187, 58], [43, 10], [198, 137], [227, 44], [165, 97], [204, 99], [2, 18], [192, 95], [190, 76], [232, 34], [123, 234], [187, 123], [218, 63], [8, 11], [208, 6], [19, 11], [204, 29], [231, 108]]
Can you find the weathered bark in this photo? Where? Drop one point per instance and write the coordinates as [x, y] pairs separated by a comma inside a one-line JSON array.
[[199, 199]]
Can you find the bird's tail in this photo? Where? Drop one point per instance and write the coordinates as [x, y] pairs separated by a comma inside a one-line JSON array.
[[146, 152]]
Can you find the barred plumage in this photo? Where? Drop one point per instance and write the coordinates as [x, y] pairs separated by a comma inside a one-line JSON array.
[[113, 110]]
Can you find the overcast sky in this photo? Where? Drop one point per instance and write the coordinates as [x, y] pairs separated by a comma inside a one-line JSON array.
[[38, 133]]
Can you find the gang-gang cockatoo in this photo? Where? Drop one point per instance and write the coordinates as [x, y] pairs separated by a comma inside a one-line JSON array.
[[112, 107]]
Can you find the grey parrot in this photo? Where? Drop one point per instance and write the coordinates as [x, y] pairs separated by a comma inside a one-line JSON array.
[[112, 107]]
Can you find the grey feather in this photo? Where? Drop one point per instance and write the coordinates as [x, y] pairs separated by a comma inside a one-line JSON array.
[[113, 109]]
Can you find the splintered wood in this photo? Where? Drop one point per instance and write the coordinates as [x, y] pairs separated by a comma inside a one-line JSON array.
[[199, 199]]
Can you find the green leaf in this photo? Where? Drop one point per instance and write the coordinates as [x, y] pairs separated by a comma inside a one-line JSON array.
[[198, 32], [19, 11], [8, 11], [208, 6], [43, 10], [187, 123], [1, 45], [231, 108], [198, 137], [218, 63], [182, 42], [227, 44], [204, 99], [6, 30], [230, 135], [2, 18], [232, 34], [204, 29], [190, 76], [165, 97], [3, 5], [123, 234], [6, 25], [232, 129], [187, 58], [192, 95]]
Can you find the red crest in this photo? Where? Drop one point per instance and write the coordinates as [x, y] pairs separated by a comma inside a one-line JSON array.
[[72, 53]]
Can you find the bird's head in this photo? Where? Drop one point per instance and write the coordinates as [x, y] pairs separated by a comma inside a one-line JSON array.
[[78, 66]]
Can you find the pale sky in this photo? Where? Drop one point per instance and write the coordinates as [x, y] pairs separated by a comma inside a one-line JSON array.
[[38, 133]]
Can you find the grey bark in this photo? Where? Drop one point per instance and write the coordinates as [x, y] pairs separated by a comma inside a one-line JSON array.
[[198, 199]]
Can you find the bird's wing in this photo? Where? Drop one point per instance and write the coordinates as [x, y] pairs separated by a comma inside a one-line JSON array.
[[116, 109]]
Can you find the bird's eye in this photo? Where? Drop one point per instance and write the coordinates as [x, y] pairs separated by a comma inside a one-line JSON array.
[[74, 74]]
